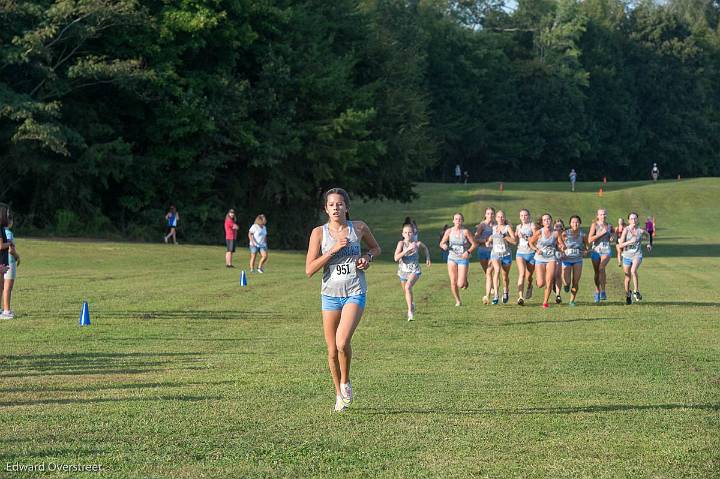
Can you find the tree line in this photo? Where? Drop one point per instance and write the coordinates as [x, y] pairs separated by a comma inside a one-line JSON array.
[[110, 110]]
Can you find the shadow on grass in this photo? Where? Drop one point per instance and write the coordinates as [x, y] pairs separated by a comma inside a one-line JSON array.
[[60, 401], [48, 454], [108, 387], [74, 364], [188, 339], [664, 250], [191, 315], [541, 410], [692, 304], [559, 321], [580, 186]]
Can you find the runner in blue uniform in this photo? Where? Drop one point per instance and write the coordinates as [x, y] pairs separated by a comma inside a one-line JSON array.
[[631, 243], [483, 230], [500, 255], [525, 256], [576, 246], [545, 242], [407, 255], [600, 235], [459, 244], [335, 247]]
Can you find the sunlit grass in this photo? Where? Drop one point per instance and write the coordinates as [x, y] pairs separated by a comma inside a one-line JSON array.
[[183, 373]]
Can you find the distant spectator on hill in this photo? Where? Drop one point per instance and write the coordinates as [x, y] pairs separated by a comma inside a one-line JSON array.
[[172, 218], [458, 173], [655, 172], [466, 176]]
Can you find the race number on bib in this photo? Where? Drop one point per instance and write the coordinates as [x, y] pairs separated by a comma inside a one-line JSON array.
[[457, 249], [343, 272], [571, 252], [500, 249], [603, 248], [548, 252]]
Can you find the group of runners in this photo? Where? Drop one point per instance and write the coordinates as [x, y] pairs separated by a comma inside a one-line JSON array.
[[547, 250]]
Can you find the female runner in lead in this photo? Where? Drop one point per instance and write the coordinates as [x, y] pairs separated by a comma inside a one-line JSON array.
[[335, 248]]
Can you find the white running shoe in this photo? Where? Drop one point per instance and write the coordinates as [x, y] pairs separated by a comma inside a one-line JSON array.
[[7, 315], [411, 316], [340, 405], [486, 300], [458, 303], [260, 270], [346, 392]]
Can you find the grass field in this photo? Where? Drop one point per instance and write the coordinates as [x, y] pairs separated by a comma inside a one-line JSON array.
[[183, 374]]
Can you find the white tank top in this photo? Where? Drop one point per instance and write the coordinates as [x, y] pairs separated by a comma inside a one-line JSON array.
[[457, 244], [601, 245], [527, 232], [634, 249], [341, 278], [499, 245], [409, 264]]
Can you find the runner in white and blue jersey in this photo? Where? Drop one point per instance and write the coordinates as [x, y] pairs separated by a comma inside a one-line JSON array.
[[459, 244], [576, 246], [407, 255], [483, 230], [631, 242], [546, 242], [559, 227], [501, 255], [335, 247], [525, 256], [600, 235]]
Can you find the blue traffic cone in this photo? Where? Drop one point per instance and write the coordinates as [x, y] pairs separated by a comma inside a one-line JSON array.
[[85, 315], [243, 278]]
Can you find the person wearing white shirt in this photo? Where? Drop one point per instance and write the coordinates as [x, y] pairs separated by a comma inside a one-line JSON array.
[[257, 236]]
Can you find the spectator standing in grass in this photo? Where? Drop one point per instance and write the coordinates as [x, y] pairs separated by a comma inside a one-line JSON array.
[[231, 228], [172, 218], [11, 273], [6, 248], [257, 237]]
